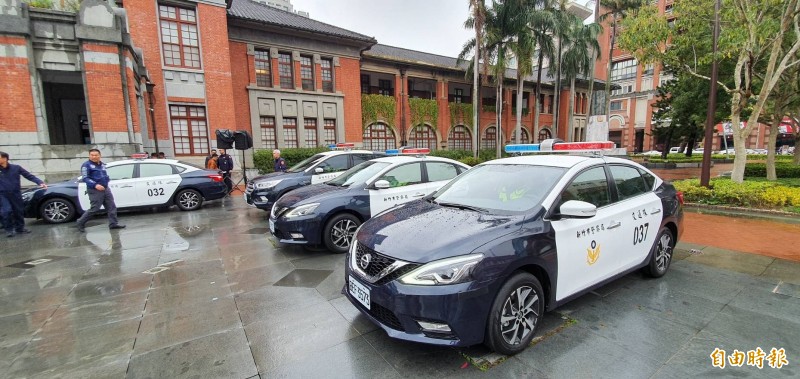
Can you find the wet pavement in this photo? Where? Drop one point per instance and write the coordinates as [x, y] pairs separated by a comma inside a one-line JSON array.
[[208, 294]]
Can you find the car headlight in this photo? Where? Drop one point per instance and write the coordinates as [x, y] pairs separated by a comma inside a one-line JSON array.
[[301, 210], [268, 184], [442, 272]]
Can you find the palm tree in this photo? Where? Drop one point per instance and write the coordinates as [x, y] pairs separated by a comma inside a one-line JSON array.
[[476, 22], [580, 52], [561, 27], [541, 24], [616, 10], [522, 46]]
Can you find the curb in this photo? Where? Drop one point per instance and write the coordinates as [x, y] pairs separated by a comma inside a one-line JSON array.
[[767, 214]]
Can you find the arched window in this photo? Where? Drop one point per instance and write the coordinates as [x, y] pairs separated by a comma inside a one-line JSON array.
[[545, 134], [422, 136], [459, 138], [525, 136], [379, 137], [489, 139]]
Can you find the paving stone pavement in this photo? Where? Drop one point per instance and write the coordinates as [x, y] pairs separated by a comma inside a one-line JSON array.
[[209, 294]]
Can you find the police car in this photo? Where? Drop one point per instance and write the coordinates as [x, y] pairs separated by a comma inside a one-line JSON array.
[[263, 191], [137, 182], [329, 213], [483, 258]]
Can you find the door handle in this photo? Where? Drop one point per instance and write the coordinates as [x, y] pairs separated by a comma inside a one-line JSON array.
[[418, 195], [127, 186], [614, 224], [655, 211], [171, 182]]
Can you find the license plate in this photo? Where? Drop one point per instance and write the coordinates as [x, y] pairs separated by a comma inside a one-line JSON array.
[[272, 226], [359, 292]]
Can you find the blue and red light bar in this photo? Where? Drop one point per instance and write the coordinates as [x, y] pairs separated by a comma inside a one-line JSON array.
[[551, 146], [409, 151], [342, 146]]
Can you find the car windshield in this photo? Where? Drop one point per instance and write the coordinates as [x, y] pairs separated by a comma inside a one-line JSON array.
[[358, 174], [305, 163], [500, 188]]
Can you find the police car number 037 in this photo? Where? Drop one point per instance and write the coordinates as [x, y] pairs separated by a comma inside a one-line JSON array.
[[359, 292]]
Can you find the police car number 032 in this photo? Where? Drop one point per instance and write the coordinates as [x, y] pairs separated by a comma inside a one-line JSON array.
[[359, 292]]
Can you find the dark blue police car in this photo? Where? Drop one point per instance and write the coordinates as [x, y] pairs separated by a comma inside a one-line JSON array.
[[483, 258], [135, 183], [263, 191], [330, 213]]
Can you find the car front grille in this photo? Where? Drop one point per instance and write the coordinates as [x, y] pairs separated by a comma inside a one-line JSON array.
[[396, 274], [377, 263], [277, 211], [250, 187]]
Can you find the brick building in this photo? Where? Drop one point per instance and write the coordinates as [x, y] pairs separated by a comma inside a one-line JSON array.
[[86, 79]]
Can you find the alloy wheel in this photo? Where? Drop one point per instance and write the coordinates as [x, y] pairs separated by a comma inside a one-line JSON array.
[[342, 233], [56, 211], [519, 315], [663, 252], [189, 200]]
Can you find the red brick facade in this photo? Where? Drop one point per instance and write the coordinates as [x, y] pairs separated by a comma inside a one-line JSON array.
[[105, 101], [15, 83], [347, 76]]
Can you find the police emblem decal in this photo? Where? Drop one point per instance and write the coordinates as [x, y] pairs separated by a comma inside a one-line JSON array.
[[365, 260], [593, 253]]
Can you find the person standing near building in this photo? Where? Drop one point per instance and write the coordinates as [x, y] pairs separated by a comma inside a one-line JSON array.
[[212, 155], [225, 164], [94, 174], [211, 163], [280, 163], [12, 213]]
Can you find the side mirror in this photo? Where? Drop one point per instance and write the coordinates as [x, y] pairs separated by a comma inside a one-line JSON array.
[[319, 170], [382, 184], [577, 209]]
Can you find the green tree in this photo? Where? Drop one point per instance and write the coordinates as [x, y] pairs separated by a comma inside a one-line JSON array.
[[581, 45], [542, 22], [760, 38]]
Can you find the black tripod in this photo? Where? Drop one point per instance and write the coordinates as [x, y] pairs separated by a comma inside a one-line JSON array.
[[244, 176]]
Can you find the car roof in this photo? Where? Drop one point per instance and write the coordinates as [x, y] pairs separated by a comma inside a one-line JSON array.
[[147, 160], [337, 152], [553, 160], [415, 158]]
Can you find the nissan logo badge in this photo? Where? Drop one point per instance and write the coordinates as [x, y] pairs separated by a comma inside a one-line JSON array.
[[364, 261]]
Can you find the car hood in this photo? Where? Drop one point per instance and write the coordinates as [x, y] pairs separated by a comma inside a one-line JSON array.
[[422, 232], [71, 183], [277, 175], [309, 194]]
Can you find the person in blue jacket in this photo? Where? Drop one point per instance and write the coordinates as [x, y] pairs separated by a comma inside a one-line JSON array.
[[280, 163], [94, 174], [11, 206]]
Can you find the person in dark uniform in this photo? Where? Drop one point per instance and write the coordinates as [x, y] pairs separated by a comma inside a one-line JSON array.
[[11, 206], [280, 163], [96, 178], [225, 164]]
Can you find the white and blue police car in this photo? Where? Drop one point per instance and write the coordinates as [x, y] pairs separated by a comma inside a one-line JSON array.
[[262, 192], [328, 214], [136, 183], [482, 259]]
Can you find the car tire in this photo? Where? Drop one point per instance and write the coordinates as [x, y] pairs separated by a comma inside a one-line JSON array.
[[516, 333], [57, 210], [660, 254], [188, 200], [339, 232]]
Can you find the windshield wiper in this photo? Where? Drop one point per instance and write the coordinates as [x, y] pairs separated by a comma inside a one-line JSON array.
[[461, 206]]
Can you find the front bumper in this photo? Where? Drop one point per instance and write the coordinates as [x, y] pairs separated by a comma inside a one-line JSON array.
[[397, 307], [304, 230], [260, 199]]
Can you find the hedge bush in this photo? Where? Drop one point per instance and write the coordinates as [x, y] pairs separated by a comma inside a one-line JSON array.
[[723, 191], [782, 170]]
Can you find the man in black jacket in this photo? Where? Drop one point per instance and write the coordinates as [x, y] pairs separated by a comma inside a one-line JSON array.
[[225, 163], [12, 213]]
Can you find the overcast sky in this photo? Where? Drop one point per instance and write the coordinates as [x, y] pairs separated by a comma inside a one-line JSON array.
[[432, 26]]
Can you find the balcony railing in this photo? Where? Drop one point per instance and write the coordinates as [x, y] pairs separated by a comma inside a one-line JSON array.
[[459, 99], [377, 91]]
